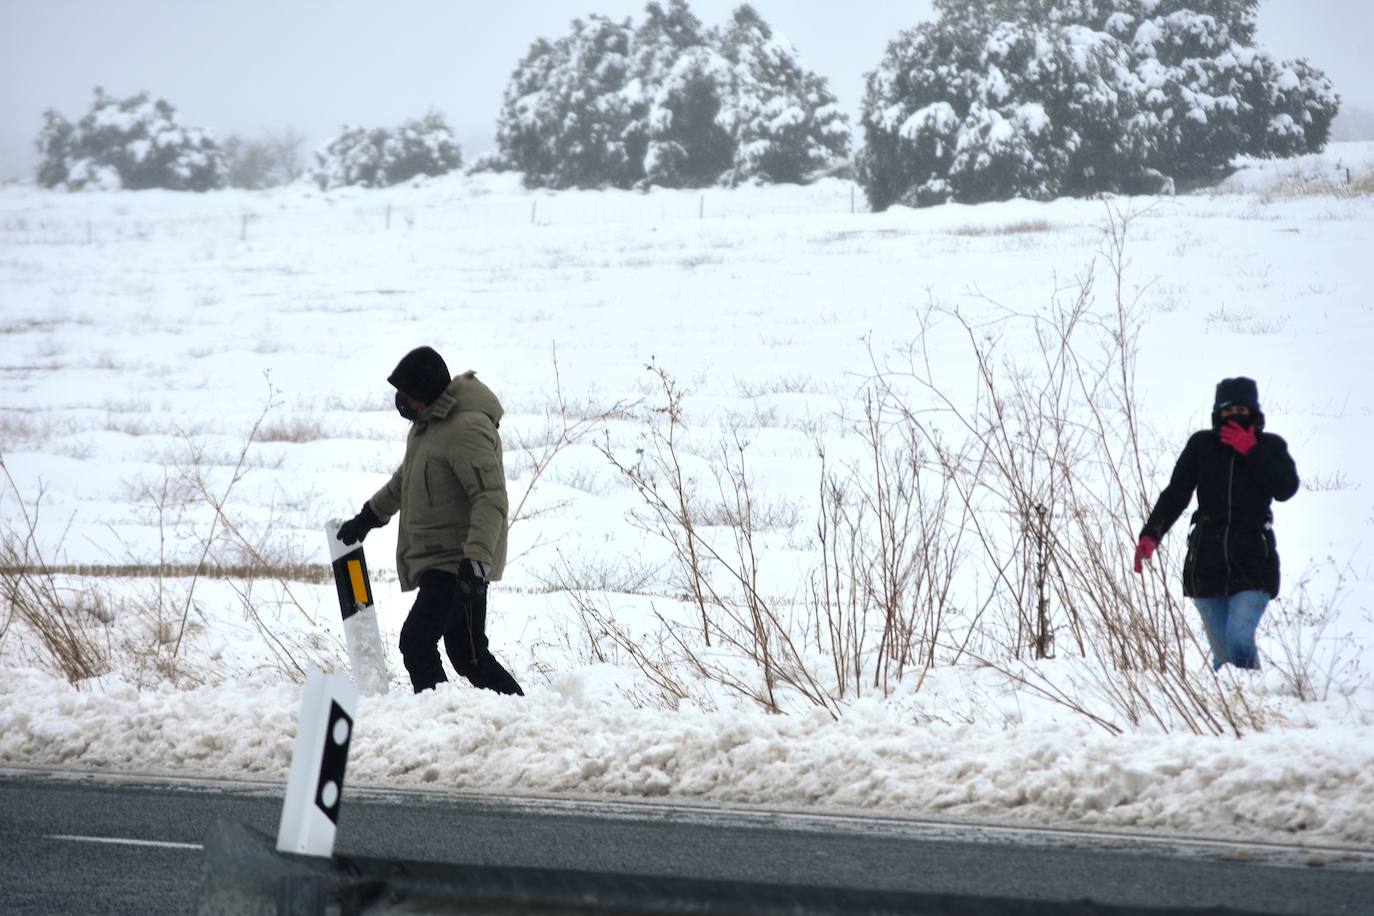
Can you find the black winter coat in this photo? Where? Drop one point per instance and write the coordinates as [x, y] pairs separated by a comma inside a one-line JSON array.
[[1231, 545]]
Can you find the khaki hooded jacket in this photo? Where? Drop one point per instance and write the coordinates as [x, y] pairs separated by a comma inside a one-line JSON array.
[[450, 489]]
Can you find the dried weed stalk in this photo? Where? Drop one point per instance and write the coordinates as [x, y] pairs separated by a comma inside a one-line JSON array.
[[72, 637]]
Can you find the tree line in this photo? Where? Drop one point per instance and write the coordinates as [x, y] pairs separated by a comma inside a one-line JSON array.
[[992, 99]]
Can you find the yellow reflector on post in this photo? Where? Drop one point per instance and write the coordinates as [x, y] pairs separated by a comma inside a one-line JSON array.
[[355, 575]]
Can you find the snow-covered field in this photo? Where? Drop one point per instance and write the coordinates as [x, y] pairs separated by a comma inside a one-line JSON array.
[[143, 335]]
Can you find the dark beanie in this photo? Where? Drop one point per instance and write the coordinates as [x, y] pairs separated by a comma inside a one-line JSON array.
[[421, 374], [1239, 390]]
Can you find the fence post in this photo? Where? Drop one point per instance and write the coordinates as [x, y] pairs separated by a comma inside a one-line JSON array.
[[701, 208], [388, 216], [851, 199], [533, 204], [243, 228], [88, 232]]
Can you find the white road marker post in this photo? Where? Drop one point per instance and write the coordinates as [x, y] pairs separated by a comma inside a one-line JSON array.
[[366, 657], [314, 788]]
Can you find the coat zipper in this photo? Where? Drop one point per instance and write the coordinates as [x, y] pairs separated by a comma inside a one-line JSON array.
[[1226, 535]]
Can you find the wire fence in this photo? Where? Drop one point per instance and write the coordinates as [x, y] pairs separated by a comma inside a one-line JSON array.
[[257, 216]]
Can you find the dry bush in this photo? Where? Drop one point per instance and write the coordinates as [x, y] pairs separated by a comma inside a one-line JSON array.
[[600, 639], [587, 480], [1023, 227], [991, 529], [1344, 182], [877, 601], [889, 534], [1332, 482], [1245, 322], [295, 429], [718, 574], [21, 427], [770, 515], [228, 543], [70, 628], [1054, 474], [795, 383], [600, 576], [1314, 661], [1361, 184], [161, 609]]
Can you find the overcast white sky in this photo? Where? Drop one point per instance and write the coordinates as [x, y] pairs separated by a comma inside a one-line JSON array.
[[247, 66]]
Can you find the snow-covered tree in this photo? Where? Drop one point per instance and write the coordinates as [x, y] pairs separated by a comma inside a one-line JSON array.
[[914, 108], [379, 157], [1288, 108], [671, 103], [784, 120], [55, 143], [134, 143], [681, 82], [662, 38], [1036, 98], [521, 127], [1239, 17], [688, 146], [568, 112]]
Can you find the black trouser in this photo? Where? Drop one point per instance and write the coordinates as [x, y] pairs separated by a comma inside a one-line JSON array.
[[456, 611]]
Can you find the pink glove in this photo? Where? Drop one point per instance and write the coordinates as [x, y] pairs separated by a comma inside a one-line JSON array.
[[1144, 550], [1240, 438]]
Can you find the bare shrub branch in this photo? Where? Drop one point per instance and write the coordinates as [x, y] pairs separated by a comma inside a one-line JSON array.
[[71, 646], [565, 424], [197, 473]]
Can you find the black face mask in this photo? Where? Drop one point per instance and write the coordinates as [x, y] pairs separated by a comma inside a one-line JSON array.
[[1245, 421], [404, 409]]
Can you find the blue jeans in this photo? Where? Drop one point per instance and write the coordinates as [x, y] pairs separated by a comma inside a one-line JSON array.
[[1231, 623]]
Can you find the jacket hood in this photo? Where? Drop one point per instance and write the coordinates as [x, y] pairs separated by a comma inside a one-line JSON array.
[[466, 392], [421, 374], [1239, 390]]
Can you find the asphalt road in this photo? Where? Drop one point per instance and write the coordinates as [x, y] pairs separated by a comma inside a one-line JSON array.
[[101, 844]]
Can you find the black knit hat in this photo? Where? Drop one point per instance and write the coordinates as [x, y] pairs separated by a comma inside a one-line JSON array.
[[421, 374], [1239, 390]]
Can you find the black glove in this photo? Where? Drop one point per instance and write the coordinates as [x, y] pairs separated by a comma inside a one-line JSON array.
[[472, 569], [472, 577], [356, 528]]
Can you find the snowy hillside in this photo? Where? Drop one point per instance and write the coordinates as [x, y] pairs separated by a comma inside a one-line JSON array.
[[190, 379]]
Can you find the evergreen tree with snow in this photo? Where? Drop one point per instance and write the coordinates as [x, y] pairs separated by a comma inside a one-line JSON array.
[[1037, 98], [682, 82], [56, 143], [523, 125], [134, 144], [675, 105], [784, 120], [379, 157], [662, 38], [568, 114]]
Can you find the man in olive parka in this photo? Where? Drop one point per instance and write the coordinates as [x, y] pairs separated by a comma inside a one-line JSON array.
[[450, 492]]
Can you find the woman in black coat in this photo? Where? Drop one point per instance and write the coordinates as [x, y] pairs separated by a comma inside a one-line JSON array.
[[1231, 570]]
